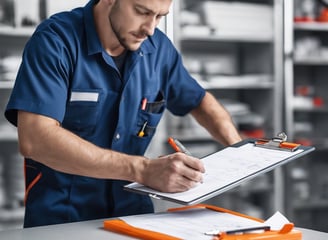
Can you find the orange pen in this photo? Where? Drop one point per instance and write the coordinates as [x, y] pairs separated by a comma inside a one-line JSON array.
[[178, 146], [173, 145]]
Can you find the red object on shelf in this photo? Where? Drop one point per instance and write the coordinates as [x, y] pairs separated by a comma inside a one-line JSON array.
[[303, 19], [318, 101], [323, 17], [255, 133], [304, 90]]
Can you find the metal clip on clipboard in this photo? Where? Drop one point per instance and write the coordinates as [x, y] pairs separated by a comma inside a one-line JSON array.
[[277, 143]]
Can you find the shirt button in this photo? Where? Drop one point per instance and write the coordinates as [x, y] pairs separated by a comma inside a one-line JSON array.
[[118, 136], [141, 54]]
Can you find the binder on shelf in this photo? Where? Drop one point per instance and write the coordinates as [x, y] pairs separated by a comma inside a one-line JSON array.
[[232, 166], [230, 225]]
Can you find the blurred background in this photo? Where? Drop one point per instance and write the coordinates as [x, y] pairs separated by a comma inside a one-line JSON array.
[[265, 60]]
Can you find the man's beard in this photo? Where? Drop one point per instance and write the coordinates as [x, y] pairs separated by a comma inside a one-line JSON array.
[[121, 39]]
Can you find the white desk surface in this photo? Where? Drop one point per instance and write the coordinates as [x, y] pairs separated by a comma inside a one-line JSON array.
[[93, 230]]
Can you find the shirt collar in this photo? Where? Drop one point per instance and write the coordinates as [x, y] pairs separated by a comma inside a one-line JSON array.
[[148, 46], [93, 41]]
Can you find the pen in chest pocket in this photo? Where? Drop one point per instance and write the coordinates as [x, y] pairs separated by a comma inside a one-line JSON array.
[[141, 133], [144, 104]]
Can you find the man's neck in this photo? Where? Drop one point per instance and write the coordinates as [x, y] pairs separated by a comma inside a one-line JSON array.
[[104, 30]]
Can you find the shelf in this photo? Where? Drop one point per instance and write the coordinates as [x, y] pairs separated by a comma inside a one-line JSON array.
[[311, 61], [8, 138], [311, 110], [247, 81], [311, 26], [229, 38], [13, 40], [213, 86], [8, 134], [9, 215], [16, 32], [6, 84]]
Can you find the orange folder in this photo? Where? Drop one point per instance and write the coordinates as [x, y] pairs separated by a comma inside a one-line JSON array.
[[286, 233]]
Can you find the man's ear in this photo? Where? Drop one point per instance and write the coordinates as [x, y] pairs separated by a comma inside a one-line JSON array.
[[107, 2]]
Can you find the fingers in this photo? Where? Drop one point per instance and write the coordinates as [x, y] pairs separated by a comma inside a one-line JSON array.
[[190, 168], [193, 163], [180, 184], [177, 172]]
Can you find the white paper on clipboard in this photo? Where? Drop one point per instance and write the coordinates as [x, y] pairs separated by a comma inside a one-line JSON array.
[[226, 169]]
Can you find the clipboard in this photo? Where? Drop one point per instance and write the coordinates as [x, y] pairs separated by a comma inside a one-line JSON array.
[[287, 232], [232, 166]]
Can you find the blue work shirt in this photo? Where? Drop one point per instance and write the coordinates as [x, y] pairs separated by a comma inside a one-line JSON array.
[[67, 75]]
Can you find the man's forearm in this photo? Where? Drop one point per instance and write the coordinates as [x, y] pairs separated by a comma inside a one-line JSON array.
[[43, 140]]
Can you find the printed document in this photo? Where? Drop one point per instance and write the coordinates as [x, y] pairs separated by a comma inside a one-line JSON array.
[[226, 169], [193, 224]]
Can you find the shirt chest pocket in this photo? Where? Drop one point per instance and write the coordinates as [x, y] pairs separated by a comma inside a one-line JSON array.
[[82, 112], [150, 114]]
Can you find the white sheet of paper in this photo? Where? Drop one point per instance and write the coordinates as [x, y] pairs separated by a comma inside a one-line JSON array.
[[277, 221], [226, 167], [190, 224]]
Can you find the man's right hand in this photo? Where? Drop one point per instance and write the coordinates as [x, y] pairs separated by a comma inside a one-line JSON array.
[[176, 172]]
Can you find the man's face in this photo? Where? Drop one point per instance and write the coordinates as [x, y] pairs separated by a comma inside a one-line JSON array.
[[133, 21]]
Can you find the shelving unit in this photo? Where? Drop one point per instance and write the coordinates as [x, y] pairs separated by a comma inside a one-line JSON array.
[[306, 115], [12, 42], [242, 67]]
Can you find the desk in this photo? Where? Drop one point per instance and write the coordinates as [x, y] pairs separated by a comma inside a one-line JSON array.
[[92, 230]]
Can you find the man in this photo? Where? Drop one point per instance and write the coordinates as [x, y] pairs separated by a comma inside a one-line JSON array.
[[91, 89]]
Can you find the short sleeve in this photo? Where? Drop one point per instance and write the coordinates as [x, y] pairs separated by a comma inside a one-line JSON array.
[[42, 80]]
